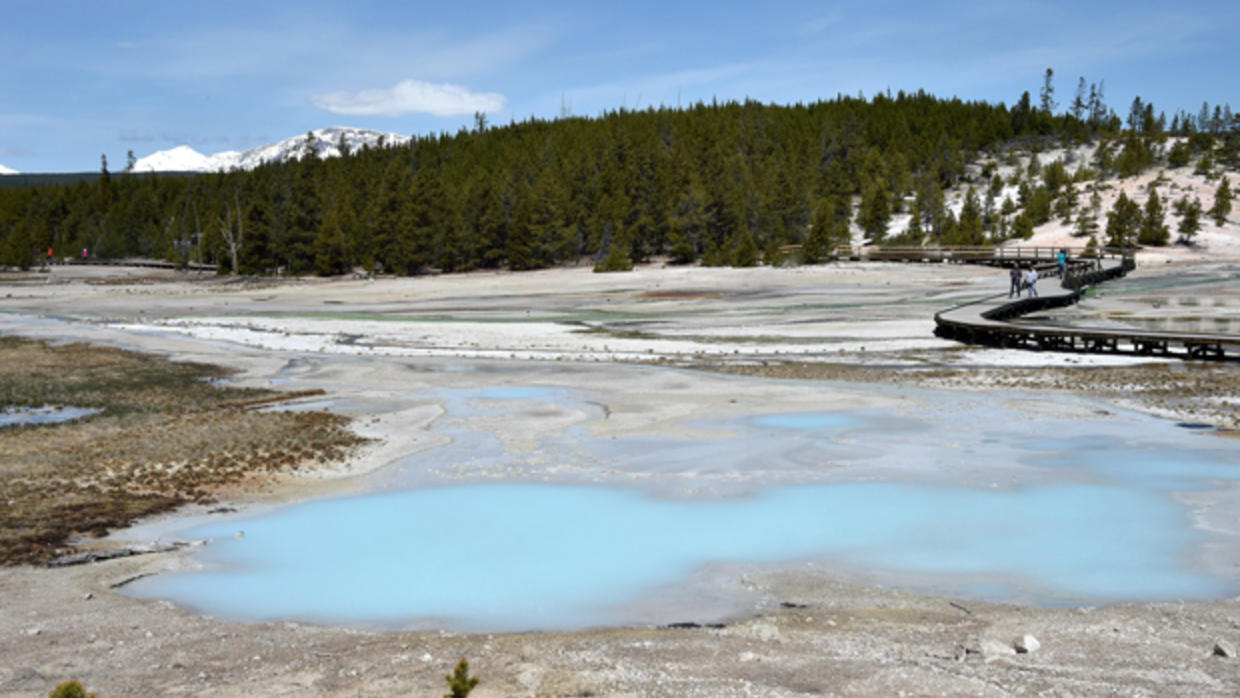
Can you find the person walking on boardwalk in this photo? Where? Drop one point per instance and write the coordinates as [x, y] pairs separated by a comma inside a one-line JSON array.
[[1031, 280], [1062, 258], [1014, 274]]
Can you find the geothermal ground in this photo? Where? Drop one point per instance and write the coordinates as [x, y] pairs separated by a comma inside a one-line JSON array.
[[656, 350]]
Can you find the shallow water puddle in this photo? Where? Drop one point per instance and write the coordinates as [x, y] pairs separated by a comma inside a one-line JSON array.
[[48, 414], [988, 509]]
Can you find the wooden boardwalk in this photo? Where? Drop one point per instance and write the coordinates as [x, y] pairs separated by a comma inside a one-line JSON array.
[[131, 262], [986, 322]]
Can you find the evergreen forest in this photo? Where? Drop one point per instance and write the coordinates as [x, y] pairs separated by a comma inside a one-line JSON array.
[[733, 183]]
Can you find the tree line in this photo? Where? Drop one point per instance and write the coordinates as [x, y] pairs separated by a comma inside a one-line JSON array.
[[719, 183]]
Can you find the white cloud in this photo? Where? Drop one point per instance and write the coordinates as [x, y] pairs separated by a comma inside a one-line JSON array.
[[409, 96]]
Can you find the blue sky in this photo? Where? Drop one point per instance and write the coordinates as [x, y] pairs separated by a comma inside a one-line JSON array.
[[85, 78]]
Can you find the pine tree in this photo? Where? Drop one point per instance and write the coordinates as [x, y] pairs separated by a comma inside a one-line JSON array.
[[1087, 219], [427, 222], [1179, 154], [618, 256], [773, 254], [1078, 102], [1222, 202], [839, 236], [460, 683], [969, 228], [1154, 229], [682, 251], [744, 250], [521, 256], [389, 219], [257, 255], [489, 243], [1047, 94], [875, 211], [70, 689], [1205, 166], [1067, 204], [1190, 219], [1091, 247], [1135, 114], [1123, 222], [329, 246], [1022, 226], [914, 233], [817, 245], [1038, 206]]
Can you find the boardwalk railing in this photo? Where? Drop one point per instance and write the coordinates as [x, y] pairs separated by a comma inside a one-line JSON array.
[[987, 322], [980, 254], [134, 262]]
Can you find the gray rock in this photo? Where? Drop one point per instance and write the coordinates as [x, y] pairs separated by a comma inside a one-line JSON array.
[[1026, 644], [1223, 648]]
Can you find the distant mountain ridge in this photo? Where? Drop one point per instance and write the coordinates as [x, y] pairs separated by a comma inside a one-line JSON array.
[[326, 144], [5, 170]]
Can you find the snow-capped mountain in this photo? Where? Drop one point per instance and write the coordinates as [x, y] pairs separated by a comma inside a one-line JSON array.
[[326, 143], [185, 159], [4, 170]]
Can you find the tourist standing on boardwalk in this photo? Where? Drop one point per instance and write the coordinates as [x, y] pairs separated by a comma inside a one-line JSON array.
[[1031, 280], [1063, 261], [1015, 276]]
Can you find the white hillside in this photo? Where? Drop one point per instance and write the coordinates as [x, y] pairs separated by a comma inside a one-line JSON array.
[[325, 143], [1212, 242], [5, 170]]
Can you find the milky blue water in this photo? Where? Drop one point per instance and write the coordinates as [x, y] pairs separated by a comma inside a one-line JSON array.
[[1089, 517]]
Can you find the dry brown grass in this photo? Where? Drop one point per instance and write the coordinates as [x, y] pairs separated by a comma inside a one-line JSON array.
[[165, 436]]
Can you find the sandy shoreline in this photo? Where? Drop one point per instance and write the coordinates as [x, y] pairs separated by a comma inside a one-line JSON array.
[[378, 349]]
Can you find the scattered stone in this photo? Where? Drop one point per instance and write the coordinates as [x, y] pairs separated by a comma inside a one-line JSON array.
[[35, 631], [1223, 648], [1026, 644], [88, 596]]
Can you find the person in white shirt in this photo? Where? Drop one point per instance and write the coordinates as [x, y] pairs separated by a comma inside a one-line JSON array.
[[1031, 280]]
